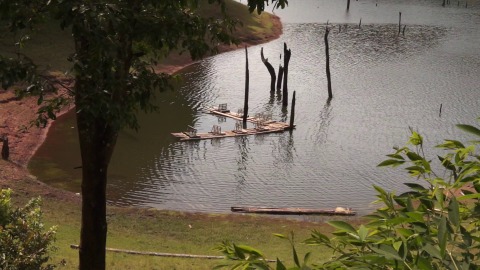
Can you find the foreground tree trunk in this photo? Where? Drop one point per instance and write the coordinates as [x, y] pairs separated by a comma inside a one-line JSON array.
[[271, 70], [96, 143]]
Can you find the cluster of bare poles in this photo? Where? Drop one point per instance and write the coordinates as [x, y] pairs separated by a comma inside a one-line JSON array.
[[274, 83]]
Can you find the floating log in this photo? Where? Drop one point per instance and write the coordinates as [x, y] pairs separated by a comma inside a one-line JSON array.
[[293, 211]]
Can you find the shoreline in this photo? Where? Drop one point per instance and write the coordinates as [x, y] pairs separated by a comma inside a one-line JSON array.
[[24, 141]]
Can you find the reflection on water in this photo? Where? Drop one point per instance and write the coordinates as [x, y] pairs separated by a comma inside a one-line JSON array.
[[383, 83]]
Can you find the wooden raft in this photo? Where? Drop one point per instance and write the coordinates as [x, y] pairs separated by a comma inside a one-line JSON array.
[[339, 211], [270, 126]]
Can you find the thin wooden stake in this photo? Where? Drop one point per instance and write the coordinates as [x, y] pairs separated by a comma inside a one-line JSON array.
[[327, 57], [286, 59], [5, 148], [245, 104], [348, 5], [292, 112], [399, 22], [440, 112]]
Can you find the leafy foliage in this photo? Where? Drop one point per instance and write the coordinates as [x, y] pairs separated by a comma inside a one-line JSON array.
[[435, 225], [24, 242]]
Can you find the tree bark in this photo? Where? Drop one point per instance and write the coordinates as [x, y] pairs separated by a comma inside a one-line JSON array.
[[245, 104], [271, 70], [327, 57], [286, 59], [97, 139]]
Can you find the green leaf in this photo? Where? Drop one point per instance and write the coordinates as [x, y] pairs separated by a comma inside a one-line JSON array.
[[280, 236], [454, 212], [415, 138], [343, 226], [415, 186], [396, 156], [295, 256], [470, 129], [280, 265], [469, 196], [433, 251], [414, 156], [388, 251], [391, 162], [442, 236], [362, 233]]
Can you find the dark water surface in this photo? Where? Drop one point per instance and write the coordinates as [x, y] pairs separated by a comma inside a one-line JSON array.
[[382, 83]]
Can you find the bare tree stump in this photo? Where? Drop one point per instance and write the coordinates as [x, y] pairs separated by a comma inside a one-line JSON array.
[[327, 60], [271, 70], [5, 148], [292, 112], [245, 105], [286, 59], [280, 78], [399, 22]]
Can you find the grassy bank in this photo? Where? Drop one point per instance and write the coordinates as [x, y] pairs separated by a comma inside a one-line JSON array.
[[173, 232]]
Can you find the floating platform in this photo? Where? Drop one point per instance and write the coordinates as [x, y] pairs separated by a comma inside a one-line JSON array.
[[262, 127], [339, 211]]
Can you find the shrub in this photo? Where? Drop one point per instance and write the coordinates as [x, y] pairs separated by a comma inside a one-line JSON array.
[[24, 243], [434, 225]]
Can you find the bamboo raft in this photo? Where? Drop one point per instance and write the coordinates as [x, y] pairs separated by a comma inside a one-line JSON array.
[[265, 127], [339, 211]]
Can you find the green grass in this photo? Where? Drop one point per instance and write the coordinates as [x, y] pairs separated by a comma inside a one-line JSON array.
[[175, 232]]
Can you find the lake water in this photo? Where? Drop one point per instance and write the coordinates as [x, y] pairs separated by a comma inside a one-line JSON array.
[[383, 83]]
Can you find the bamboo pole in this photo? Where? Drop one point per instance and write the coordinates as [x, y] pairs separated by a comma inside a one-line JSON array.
[[162, 254]]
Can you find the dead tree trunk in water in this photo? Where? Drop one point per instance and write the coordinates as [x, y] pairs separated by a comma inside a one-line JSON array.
[[327, 57], [5, 148], [280, 78], [271, 70], [292, 113], [348, 5], [287, 54], [245, 105], [399, 22]]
